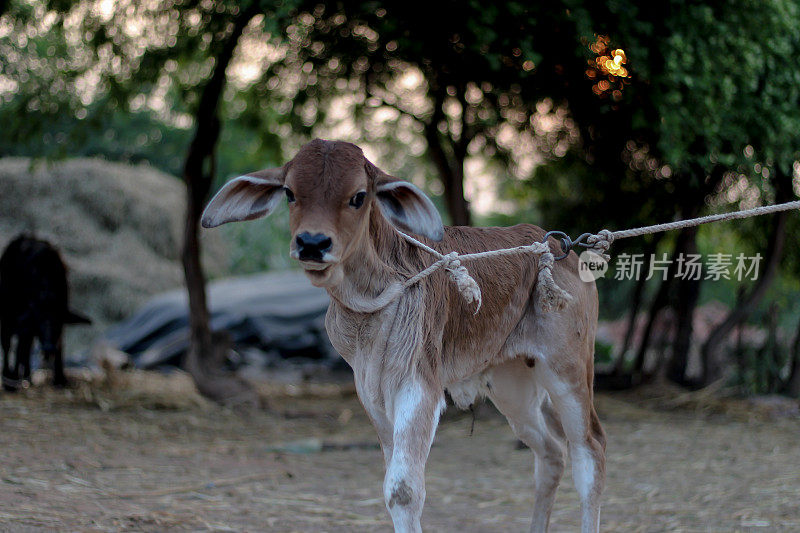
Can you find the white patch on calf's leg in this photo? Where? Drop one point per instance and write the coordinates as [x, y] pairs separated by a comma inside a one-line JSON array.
[[583, 470], [405, 403]]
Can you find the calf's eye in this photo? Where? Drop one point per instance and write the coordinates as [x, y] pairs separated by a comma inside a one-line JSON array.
[[358, 199], [289, 195]]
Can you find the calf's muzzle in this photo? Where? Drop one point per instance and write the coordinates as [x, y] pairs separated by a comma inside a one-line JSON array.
[[312, 247]]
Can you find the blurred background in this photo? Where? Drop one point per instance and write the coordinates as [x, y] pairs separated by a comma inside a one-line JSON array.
[[121, 118]]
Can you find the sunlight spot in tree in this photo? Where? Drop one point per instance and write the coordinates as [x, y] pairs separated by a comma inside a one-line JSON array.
[[473, 95], [608, 67], [411, 79], [104, 9]]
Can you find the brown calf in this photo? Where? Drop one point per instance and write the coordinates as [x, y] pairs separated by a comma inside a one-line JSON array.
[[536, 367]]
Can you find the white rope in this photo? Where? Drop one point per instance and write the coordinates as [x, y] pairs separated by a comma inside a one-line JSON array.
[[549, 295], [602, 241]]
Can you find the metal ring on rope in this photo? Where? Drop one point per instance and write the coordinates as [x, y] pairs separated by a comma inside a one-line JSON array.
[[566, 243]]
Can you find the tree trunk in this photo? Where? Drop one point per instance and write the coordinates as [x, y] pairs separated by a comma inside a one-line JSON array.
[[711, 370], [774, 355], [636, 303], [457, 205], [793, 384], [661, 300], [450, 166], [739, 356], [659, 303], [203, 355], [688, 294]]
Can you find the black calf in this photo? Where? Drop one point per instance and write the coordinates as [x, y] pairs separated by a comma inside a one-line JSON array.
[[33, 304]]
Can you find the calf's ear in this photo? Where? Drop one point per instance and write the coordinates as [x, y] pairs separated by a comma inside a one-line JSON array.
[[406, 206], [245, 198]]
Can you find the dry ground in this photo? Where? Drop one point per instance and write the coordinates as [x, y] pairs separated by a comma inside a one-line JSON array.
[[150, 456]]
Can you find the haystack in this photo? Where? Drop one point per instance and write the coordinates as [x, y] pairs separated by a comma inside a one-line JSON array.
[[118, 228]]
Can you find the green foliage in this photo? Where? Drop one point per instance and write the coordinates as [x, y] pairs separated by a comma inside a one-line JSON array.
[[116, 135], [731, 80], [87, 84], [603, 353]]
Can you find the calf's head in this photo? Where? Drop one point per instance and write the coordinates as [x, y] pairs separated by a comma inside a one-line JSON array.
[[332, 191]]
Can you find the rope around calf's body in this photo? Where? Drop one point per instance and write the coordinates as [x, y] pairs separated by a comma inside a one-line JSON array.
[[549, 295]]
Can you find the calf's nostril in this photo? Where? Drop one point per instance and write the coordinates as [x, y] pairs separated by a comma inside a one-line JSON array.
[[325, 244], [312, 246]]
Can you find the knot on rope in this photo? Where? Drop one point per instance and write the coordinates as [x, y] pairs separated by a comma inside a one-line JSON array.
[[549, 295], [466, 284], [600, 243]]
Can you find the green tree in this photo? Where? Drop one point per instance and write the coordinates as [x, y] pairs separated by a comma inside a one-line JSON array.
[[712, 96]]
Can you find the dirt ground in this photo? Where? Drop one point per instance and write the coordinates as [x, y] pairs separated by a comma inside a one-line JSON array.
[[148, 455]]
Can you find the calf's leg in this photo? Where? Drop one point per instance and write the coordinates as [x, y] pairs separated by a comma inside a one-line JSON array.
[[415, 410], [571, 392], [514, 392], [377, 415]]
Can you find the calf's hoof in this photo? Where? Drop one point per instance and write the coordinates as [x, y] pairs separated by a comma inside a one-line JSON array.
[[60, 382]]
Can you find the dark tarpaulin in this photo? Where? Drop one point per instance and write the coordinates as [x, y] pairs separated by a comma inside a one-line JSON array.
[[281, 314]]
